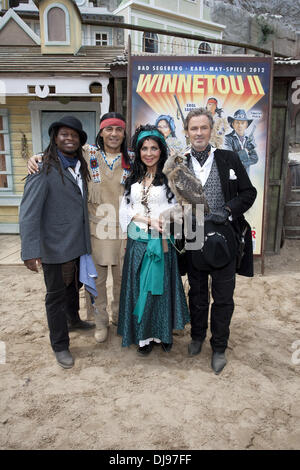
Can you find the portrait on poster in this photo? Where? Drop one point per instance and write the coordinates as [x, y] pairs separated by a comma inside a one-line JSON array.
[[235, 89]]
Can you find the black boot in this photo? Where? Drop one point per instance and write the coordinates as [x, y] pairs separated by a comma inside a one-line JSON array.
[[195, 347], [145, 350], [218, 362]]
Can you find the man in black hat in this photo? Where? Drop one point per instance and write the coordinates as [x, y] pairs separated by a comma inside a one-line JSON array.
[[54, 229], [229, 194], [237, 141]]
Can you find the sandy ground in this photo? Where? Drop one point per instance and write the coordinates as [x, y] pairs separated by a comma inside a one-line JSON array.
[[113, 399]]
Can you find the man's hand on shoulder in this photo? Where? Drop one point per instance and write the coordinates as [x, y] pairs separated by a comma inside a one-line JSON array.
[[34, 164]]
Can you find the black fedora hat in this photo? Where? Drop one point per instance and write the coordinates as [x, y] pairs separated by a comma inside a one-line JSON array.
[[73, 123], [220, 246]]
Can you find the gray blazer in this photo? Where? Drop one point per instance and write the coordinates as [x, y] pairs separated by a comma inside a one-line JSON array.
[[54, 223]]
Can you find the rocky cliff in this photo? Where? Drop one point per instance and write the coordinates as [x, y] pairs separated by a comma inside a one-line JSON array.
[[288, 12], [260, 23]]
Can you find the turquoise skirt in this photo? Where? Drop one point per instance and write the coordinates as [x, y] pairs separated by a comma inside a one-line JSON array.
[[162, 313]]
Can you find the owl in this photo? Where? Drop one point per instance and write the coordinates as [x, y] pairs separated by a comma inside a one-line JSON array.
[[184, 185]]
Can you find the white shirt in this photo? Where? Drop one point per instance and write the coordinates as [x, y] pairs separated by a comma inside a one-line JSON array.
[[77, 175], [202, 172], [157, 203]]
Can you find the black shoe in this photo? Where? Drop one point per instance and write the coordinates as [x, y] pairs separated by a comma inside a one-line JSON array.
[[195, 347], [167, 346], [145, 350], [64, 359], [218, 362], [80, 325]]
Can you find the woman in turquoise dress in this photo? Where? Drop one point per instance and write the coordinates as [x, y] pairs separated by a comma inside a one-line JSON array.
[[152, 301]]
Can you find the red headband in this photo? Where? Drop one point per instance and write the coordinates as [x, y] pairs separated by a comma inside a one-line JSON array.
[[112, 122], [212, 100]]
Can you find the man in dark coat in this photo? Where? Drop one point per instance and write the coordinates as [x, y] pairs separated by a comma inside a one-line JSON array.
[[54, 229], [229, 193]]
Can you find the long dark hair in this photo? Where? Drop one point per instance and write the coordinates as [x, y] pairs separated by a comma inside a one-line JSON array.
[[139, 169], [50, 156], [99, 139]]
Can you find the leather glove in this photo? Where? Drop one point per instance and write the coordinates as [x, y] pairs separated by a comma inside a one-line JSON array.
[[218, 217]]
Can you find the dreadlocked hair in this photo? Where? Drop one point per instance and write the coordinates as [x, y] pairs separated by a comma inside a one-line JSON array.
[[50, 157], [139, 169], [99, 139]]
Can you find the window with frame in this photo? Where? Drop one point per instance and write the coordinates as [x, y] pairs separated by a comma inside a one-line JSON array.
[[5, 157], [150, 42], [56, 24], [204, 48], [101, 39]]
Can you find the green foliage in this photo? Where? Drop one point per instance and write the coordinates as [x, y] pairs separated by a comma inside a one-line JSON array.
[[265, 28]]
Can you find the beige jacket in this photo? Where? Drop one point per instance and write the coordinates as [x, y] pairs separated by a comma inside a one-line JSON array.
[[105, 191]]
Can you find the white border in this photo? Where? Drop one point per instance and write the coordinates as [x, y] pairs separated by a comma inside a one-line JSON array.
[[7, 153], [9, 228], [11, 14]]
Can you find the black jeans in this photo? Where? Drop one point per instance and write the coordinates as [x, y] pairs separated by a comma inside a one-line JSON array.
[[222, 289], [62, 301]]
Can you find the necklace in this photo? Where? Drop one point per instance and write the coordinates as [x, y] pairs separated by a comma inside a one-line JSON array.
[[150, 175], [110, 159], [145, 196]]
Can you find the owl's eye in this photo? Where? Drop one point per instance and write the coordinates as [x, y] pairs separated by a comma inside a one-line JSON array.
[[178, 160]]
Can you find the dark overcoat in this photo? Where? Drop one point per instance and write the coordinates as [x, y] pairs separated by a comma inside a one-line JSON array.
[[239, 195], [54, 223]]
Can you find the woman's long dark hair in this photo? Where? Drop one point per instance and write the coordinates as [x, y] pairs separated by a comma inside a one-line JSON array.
[[99, 139], [50, 156], [139, 169]]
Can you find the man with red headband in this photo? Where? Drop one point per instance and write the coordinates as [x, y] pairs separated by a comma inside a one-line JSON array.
[[109, 166], [221, 125], [108, 163]]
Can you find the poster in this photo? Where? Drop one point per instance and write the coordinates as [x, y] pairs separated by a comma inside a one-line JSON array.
[[236, 89]]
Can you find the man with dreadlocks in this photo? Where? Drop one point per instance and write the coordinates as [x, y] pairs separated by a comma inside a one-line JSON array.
[[54, 229], [109, 164]]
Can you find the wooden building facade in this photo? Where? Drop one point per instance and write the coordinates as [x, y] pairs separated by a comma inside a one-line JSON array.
[[42, 78]]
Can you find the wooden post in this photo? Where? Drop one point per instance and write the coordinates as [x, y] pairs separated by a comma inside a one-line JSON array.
[[129, 91], [267, 166], [118, 100]]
